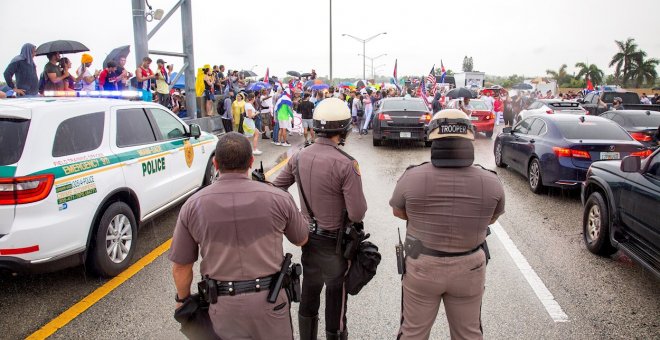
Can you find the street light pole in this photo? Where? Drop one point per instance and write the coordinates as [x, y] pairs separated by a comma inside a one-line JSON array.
[[364, 43], [373, 76]]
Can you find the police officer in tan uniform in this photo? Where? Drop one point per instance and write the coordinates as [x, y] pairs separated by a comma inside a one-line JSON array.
[[331, 183], [448, 205], [238, 225]]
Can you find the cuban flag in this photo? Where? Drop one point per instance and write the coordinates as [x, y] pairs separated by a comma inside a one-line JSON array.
[[395, 80], [284, 104], [443, 72]]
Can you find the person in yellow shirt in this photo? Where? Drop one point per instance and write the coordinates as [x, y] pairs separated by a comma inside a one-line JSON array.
[[237, 109]]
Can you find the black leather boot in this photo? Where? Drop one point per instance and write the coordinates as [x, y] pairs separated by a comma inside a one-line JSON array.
[[308, 327], [336, 335]]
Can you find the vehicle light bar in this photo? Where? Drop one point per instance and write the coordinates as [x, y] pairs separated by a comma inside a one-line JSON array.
[[94, 94]]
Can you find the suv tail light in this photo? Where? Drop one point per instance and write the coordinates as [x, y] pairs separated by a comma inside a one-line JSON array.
[[28, 189], [640, 136], [566, 152], [426, 118], [642, 154], [549, 112], [384, 116]]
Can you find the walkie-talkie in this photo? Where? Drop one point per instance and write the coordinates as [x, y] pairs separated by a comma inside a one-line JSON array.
[[400, 257], [258, 174]]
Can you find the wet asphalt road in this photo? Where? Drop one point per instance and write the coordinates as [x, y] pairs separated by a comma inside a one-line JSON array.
[[604, 298]]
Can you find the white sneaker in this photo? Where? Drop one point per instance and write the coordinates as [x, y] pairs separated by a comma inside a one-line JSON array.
[[257, 152], [286, 144]]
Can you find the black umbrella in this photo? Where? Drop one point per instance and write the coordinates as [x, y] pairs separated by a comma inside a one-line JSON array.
[[270, 80], [116, 54], [294, 74], [306, 75], [248, 74], [522, 86], [62, 46], [460, 93]]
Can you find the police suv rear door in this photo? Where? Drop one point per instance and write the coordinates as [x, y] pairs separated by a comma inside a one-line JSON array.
[[144, 158]]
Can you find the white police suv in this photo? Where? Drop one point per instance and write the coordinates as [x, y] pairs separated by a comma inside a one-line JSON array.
[[79, 175]]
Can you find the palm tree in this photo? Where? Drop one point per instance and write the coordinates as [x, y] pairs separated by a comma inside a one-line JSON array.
[[561, 76], [592, 71], [622, 61], [644, 70]]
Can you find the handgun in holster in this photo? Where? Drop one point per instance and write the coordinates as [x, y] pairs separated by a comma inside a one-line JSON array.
[[208, 289], [413, 247], [349, 237], [293, 287], [259, 174]]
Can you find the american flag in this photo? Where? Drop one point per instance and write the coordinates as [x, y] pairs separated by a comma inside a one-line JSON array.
[[421, 92], [431, 79]]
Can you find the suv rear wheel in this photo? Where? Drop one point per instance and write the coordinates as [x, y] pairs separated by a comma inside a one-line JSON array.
[[114, 242], [596, 225], [377, 142], [534, 177], [211, 174], [489, 134], [499, 154]]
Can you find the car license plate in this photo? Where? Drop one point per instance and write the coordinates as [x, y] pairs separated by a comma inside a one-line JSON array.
[[405, 134], [610, 155], [474, 118]]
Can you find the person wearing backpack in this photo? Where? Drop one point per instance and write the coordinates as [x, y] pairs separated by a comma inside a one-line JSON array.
[[358, 112], [225, 111]]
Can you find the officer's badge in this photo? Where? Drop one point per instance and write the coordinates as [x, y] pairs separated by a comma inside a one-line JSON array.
[[189, 152], [356, 168]]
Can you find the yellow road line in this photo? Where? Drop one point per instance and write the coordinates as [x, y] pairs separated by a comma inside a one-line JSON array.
[[88, 301]]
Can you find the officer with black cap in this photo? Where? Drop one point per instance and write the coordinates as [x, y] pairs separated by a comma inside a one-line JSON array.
[[448, 205], [331, 197]]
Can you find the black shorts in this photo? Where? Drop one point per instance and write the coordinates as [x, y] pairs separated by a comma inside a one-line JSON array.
[[209, 95]]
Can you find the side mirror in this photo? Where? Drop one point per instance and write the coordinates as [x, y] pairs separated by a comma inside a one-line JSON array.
[[195, 131], [631, 164], [507, 129]]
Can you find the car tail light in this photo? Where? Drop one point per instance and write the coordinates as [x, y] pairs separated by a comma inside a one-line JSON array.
[[549, 112], [642, 154], [28, 189], [640, 136], [566, 152], [384, 116], [426, 118]]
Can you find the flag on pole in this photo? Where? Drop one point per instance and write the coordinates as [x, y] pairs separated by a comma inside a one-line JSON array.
[[421, 92], [396, 80], [590, 85], [431, 79], [443, 72], [266, 76]]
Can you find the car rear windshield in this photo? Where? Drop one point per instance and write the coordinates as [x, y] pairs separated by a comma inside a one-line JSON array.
[[627, 97], [404, 105], [565, 105], [478, 105], [643, 120], [13, 133], [591, 129]]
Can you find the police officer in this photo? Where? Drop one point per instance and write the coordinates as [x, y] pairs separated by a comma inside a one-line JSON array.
[[330, 181], [448, 205], [237, 225]]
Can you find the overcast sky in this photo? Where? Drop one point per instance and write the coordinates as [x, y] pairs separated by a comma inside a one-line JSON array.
[[503, 37]]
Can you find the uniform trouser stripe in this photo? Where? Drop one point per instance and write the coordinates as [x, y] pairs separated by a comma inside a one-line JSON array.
[[401, 321]]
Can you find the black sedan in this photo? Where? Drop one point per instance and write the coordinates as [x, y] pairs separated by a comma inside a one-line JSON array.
[[401, 119], [641, 124], [557, 150], [621, 209]]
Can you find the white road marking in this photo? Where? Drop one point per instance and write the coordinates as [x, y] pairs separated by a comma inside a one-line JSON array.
[[541, 291]]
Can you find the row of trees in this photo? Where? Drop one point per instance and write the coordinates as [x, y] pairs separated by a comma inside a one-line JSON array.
[[631, 68]]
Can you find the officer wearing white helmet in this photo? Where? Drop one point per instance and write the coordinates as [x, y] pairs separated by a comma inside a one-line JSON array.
[[331, 196], [448, 205]]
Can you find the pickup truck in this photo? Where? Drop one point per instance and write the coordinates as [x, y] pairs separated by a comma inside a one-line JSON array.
[[621, 212], [630, 99]]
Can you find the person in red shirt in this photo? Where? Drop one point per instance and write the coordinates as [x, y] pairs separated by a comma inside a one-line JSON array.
[[107, 79], [498, 108]]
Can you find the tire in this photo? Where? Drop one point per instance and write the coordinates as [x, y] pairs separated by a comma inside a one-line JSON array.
[[377, 142], [489, 134], [596, 226], [498, 153], [534, 178], [210, 175], [117, 222], [428, 143]]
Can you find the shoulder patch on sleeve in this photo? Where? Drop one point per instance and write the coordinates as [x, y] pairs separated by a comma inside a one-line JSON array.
[[356, 168], [489, 170]]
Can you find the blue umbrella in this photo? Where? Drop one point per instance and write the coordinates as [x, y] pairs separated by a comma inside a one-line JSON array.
[[181, 82], [320, 87], [258, 86]]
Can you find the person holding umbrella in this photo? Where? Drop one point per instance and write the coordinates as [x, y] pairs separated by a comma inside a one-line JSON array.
[[54, 75], [22, 66]]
